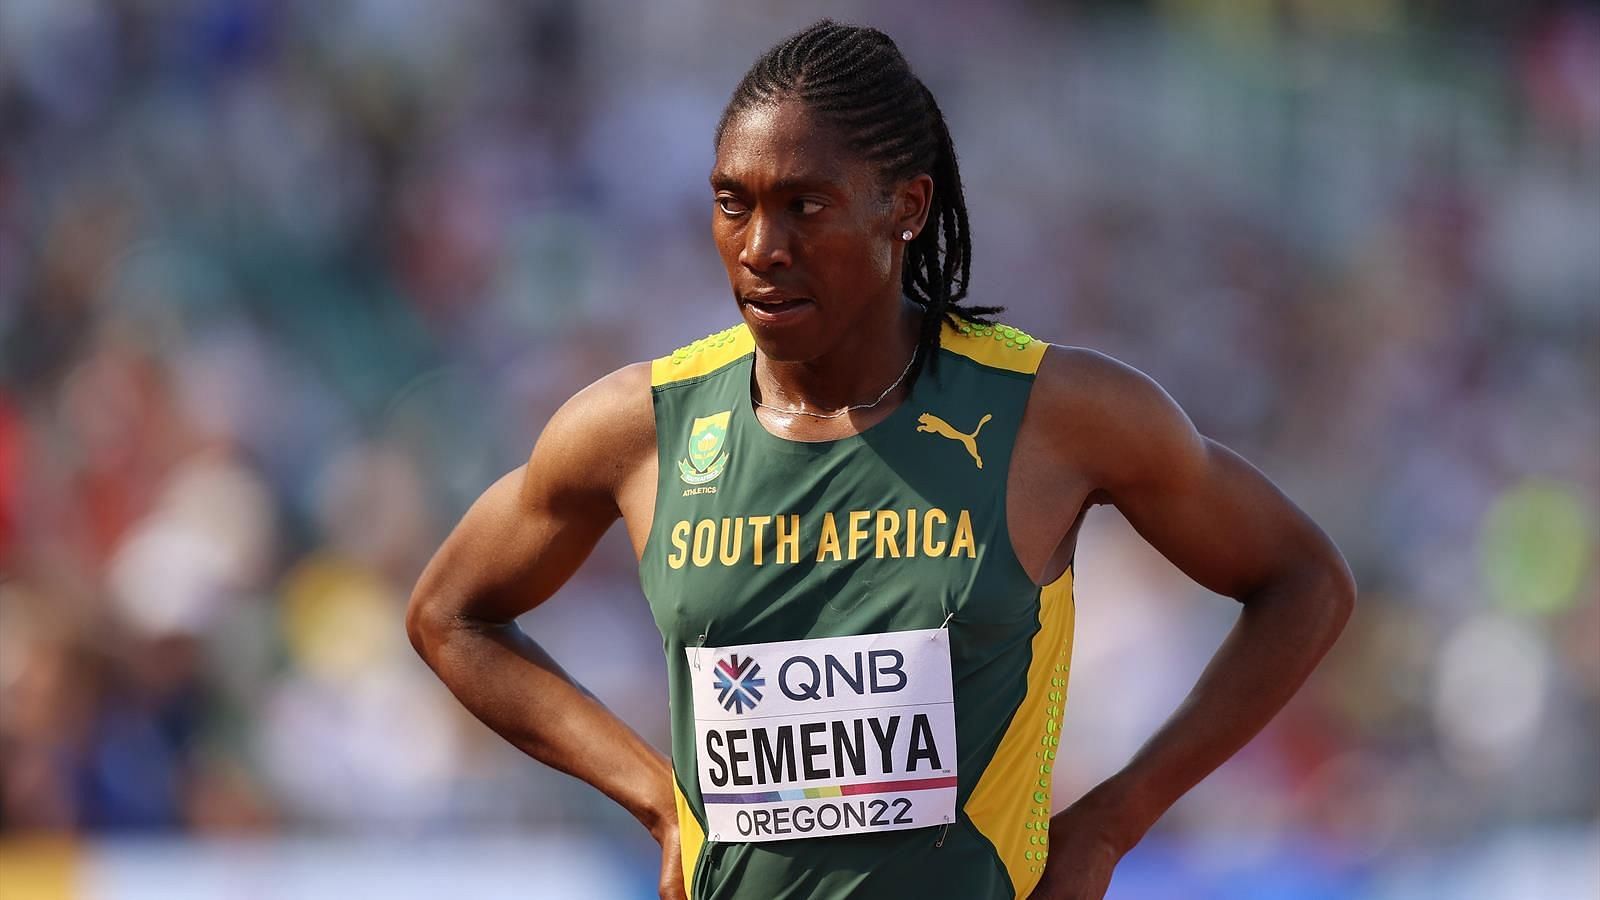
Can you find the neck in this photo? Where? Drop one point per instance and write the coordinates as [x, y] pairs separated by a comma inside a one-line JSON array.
[[870, 356]]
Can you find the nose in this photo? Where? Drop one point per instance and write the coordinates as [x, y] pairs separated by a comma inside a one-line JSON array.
[[766, 244]]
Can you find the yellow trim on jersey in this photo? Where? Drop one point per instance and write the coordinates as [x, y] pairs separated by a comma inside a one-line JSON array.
[[998, 346], [1010, 804], [690, 838], [702, 357]]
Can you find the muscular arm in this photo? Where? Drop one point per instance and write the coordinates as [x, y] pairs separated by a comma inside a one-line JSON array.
[[518, 543], [1225, 525]]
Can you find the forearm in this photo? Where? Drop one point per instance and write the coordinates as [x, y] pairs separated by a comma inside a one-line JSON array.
[[512, 685], [1281, 635]]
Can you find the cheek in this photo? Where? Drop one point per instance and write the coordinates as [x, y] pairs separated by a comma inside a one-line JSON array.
[[879, 255], [859, 262], [882, 255], [727, 244]]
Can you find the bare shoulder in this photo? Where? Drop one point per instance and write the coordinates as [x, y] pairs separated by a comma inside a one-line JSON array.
[[597, 441], [1115, 421], [615, 408], [530, 530], [1094, 382]]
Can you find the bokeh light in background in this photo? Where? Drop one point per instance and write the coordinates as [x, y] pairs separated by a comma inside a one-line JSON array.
[[283, 286]]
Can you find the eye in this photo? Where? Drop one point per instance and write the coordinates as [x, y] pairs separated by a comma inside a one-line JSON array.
[[806, 206], [730, 206]]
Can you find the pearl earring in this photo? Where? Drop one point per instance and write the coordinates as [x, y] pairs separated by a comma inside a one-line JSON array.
[[905, 235]]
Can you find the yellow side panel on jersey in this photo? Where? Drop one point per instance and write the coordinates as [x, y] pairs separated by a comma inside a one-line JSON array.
[[690, 838], [702, 357], [1010, 804], [999, 346]]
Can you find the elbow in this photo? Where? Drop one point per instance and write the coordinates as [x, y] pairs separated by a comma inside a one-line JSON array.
[[1317, 591], [426, 619], [442, 611], [1337, 592], [416, 622]]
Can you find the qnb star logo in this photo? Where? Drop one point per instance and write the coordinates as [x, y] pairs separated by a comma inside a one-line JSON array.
[[739, 683]]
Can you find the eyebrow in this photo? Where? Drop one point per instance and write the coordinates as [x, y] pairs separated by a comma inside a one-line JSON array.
[[721, 181]]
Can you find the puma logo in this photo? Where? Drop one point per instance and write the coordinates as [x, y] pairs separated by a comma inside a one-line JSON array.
[[936, 425]]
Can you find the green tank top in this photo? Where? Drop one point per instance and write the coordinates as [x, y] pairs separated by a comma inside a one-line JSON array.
[[799, 585]]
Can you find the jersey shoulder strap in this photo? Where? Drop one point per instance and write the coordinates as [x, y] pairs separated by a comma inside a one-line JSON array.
[[997, 346], [702, 357]]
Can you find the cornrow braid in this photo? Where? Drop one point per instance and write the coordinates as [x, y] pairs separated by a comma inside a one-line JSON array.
[[855, 79]]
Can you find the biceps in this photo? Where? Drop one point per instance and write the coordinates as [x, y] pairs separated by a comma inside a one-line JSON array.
[[512, 550], [1220, 520]]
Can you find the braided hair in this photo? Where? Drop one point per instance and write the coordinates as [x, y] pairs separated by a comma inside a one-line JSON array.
[[855, 79]]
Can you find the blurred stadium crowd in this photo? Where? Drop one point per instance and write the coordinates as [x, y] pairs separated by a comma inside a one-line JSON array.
[[284, 285]]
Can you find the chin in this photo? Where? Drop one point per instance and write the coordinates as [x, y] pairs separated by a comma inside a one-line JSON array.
[[797, 341]]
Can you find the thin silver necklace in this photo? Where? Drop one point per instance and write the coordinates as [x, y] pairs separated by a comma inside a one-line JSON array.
[[835, 415]]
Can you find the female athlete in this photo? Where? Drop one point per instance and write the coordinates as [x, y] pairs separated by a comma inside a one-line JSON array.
[[855, 515]]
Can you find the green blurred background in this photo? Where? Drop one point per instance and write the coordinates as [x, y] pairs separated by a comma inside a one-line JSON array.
[[284, 285]]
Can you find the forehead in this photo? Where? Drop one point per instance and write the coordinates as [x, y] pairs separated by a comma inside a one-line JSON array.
[[785, 142]]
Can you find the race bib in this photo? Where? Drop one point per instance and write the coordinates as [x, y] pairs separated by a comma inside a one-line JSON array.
[[846, 735]]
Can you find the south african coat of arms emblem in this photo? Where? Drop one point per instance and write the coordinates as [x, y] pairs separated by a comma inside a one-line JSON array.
[[707, 454]]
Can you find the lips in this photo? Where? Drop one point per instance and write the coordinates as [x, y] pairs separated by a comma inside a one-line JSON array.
[[774, 307]]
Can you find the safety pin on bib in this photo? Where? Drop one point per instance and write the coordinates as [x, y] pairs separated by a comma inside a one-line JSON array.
[[700, 645]]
